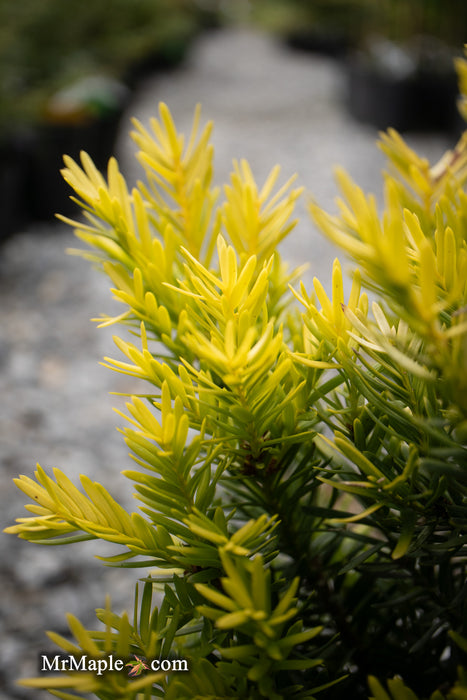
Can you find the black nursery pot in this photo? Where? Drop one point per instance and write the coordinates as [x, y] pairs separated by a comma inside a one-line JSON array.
[[325, 42], [15, 163], [422, 101], [169, 56], [49, 192]]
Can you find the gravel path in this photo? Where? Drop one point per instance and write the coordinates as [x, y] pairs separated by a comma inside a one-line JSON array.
[[269, 106]]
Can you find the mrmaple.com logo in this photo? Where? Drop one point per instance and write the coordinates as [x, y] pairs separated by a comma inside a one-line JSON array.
[[49, 663]]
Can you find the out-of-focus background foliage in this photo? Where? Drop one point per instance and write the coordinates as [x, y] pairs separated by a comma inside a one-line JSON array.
[[66, 73], [67, 70]]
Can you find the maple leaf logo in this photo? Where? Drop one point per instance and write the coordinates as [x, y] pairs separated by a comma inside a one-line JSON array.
[[137, 667]]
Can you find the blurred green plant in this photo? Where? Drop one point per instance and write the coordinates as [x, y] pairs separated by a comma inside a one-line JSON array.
[[329, 18], [444, 20], [300, 473], [441, 22], [46, 46]]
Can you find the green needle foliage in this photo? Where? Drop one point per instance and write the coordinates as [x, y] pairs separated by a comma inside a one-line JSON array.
[[300, 468]]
